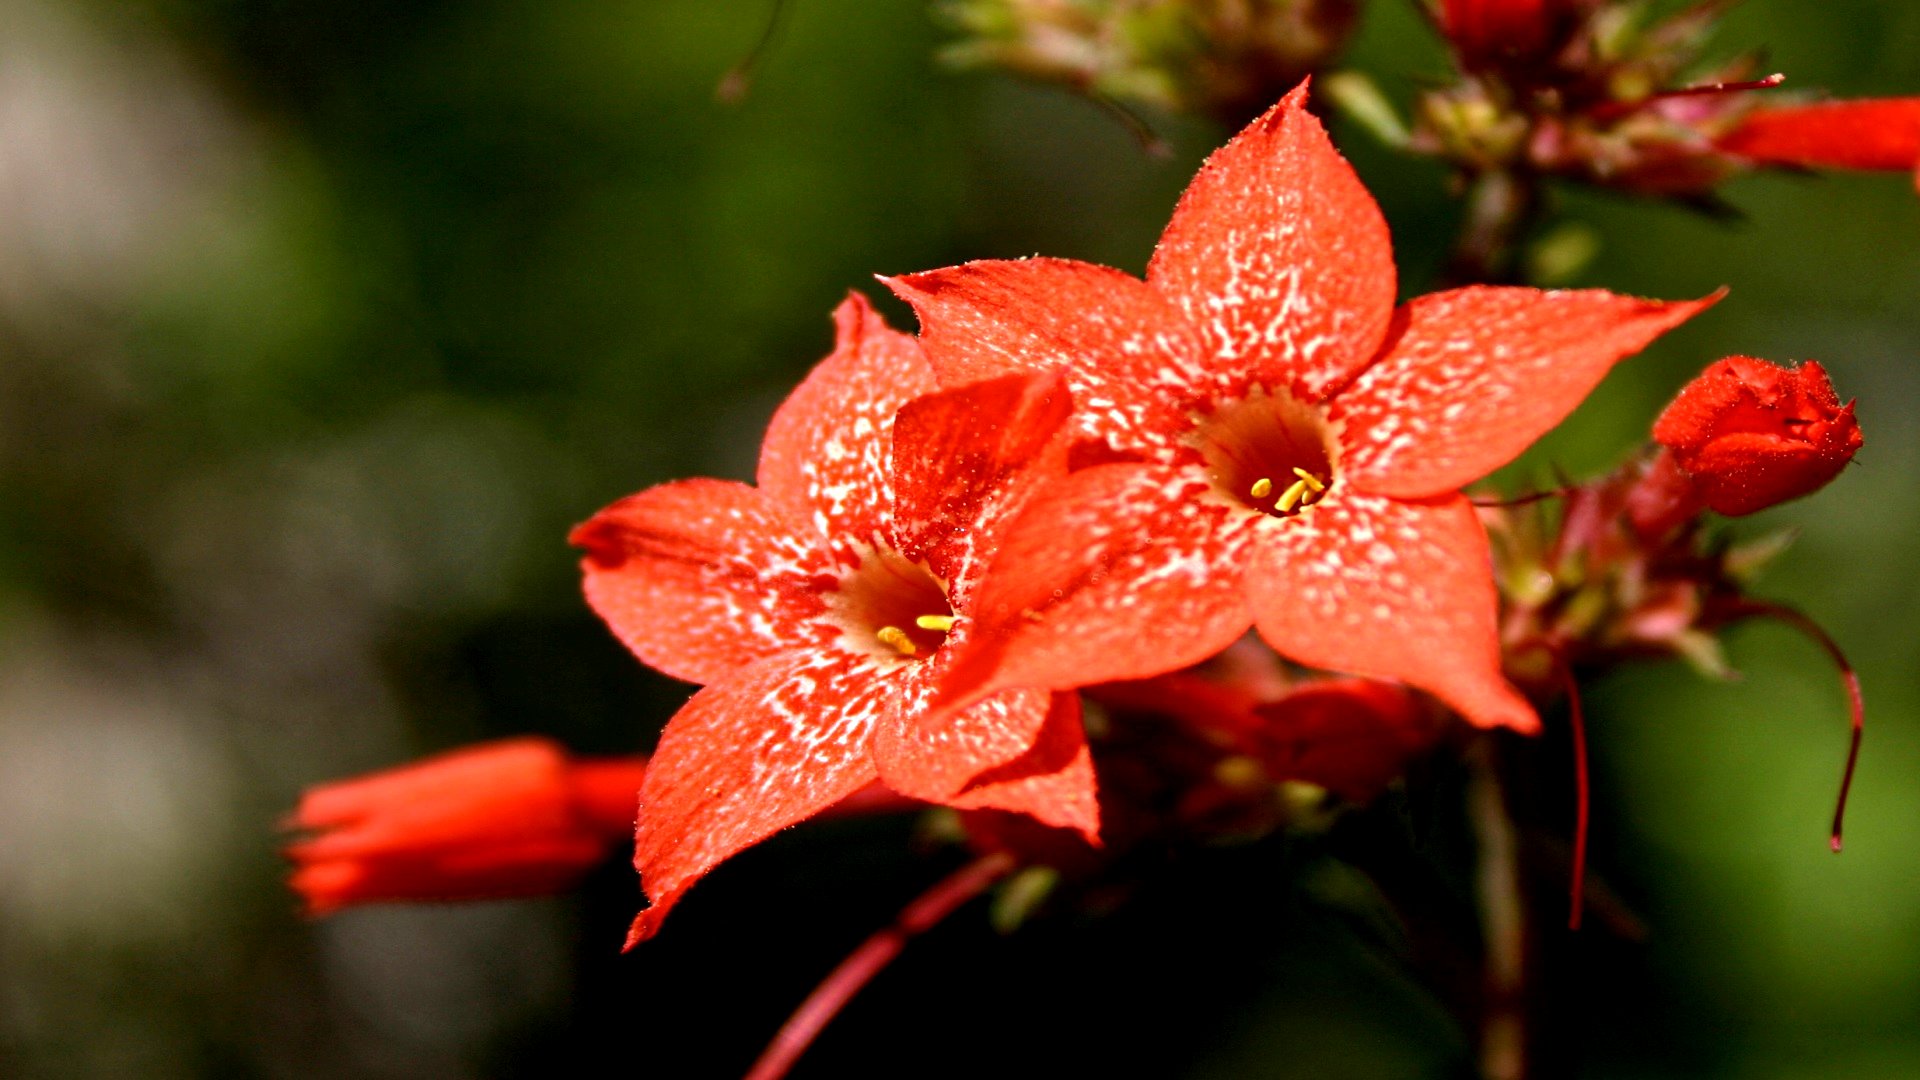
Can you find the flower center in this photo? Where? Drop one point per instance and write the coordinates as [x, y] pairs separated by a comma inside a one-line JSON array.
[[1268, 452], [893, 607]]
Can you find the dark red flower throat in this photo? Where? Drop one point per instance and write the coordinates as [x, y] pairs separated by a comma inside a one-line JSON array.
[[892, 607], [1269, 452]]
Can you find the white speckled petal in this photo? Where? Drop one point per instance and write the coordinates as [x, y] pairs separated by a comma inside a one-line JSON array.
[[749, 756], [1477, 374], [827, 454], [965, 461], [1115, 572], [1132, 360], [1053, 782], [701, 577], [1390, 590], [1280, 258]]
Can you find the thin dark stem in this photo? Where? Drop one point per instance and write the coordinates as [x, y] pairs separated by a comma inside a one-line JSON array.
[[1525, 500], [1149, 141], [1582, 799], [739, 78], [1856, 704], [873, 955], [1500, 208], [1503, 919]]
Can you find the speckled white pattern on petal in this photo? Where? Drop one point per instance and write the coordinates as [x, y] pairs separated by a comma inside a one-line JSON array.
[[1390, 590]]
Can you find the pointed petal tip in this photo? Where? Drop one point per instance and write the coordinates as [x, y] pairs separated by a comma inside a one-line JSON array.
[[642, 929], [854, 318], [855, 301]]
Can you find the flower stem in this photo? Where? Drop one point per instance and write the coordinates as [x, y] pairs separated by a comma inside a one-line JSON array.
[[873, 955], [1503, 919], [1501, 206]]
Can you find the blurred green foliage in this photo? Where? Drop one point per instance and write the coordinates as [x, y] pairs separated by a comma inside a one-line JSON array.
[[322, 322]]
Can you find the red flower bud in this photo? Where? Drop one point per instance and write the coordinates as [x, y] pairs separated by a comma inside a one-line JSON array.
[[511, 818], [1752, 434], [1882, 133]]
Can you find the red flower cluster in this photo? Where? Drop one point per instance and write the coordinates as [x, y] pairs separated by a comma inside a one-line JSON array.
[[1254, 435], [1074, 481], [1262, 437]]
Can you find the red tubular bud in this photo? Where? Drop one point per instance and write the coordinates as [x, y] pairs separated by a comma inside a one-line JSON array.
[[511, 818], [1881, 133], [1752, 434]]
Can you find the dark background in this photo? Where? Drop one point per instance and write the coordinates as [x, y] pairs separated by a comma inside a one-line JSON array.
[[321, 322]]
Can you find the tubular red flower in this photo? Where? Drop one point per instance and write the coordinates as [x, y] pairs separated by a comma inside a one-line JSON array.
[[1872, 133], [511, 818], [822, 607], [1264, 438], [1751, 434]]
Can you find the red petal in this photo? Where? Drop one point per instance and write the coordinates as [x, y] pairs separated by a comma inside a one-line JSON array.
[[1881, 133], [1280, 257], [701, 577], [933, 759], [826, 452], [1051, 783], [1390, 590], [1116, 572], [1130, 357], [1477, 374], [964, 462], [772, 746]]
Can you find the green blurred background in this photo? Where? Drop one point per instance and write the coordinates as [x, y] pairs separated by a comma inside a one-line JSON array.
[[321, 322]]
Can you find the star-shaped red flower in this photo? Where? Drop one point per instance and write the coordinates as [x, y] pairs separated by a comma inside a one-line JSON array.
[[1263, 437], [822, 607]]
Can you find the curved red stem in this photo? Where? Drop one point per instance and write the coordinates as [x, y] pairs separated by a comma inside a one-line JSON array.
[[1850, 679], [1615, 110], [873, 955]]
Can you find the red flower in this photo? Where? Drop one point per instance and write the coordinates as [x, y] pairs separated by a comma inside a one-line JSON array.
[[512, 818], [1264, 438], [1751, 434], [821, 608], [1879, 133]]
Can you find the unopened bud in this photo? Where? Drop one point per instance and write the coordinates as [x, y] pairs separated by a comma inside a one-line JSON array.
[[1751, 434]]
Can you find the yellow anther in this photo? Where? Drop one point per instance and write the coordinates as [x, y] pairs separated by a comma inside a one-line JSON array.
[[942, 623], [1262, 488], [1290, 499], [1312, 481], [896, 638]]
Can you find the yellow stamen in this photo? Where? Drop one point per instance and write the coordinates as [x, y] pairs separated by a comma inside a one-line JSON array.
[[1313, 481], [896, 638], [1290, 499], [1262, 488], [942, 623]]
